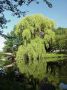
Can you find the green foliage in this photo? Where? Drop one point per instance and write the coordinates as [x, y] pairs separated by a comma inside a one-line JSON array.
[[34, 22], [36, 32], [11, 44], [61, 39], [49, 38], [30, 58], [36, 25]]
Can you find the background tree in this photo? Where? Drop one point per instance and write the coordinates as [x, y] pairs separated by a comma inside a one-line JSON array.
[[12, 43], [9, 42], [61, 39]]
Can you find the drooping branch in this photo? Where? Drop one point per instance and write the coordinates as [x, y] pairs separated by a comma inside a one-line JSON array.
[[12, 5], [48, 3]]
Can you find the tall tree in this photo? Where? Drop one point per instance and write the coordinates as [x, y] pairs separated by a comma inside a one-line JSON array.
[[36, 32]]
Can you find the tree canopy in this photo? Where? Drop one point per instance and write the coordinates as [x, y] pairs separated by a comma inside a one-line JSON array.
[[29, 28]]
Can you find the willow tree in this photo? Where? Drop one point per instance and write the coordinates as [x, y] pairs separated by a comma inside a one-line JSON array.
[[37, 33]]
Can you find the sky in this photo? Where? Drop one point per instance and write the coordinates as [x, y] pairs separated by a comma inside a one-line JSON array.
[[58, 13]]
